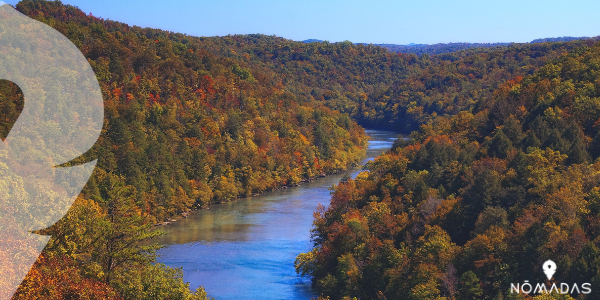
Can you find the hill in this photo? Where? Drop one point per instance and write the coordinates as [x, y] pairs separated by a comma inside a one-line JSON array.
[[380, 89], [477, 199], [188, 128]]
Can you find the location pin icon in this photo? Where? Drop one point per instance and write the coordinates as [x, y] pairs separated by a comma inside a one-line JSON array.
[[549, 268]]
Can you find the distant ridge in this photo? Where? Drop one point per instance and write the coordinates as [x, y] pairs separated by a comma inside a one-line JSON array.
[[441, 48], [453, 47], [559, 39]]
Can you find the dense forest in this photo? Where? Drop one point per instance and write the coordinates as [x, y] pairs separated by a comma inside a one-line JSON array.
[[477, 198], [380, 89], [188, 128], [497, 174]]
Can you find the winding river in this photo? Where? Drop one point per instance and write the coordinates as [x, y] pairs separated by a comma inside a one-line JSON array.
[[246, 249]]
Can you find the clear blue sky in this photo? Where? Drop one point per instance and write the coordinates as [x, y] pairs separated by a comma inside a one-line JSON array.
[[376, 21]]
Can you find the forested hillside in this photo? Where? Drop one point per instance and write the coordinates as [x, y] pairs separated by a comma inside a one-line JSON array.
[[380, 89], [187, 127], [477, 199]]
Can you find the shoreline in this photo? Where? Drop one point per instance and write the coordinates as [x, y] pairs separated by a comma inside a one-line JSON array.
[[184, 215]]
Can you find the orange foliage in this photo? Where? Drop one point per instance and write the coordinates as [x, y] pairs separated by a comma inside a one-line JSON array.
[[60, 278]]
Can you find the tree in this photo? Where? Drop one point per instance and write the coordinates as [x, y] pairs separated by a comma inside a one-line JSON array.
[[123, 232], [157, 282], [470, 287], [491, 216], [500, 145]]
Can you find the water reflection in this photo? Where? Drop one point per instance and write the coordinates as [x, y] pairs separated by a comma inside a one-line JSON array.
[[246, 249]]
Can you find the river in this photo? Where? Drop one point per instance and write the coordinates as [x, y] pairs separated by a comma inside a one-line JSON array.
[[245, 249]]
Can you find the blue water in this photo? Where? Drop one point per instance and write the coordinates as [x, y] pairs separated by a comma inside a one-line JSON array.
[[246, 249]]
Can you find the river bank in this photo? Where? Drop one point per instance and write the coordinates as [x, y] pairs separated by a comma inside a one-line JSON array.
[[245, 249], [278, 188]]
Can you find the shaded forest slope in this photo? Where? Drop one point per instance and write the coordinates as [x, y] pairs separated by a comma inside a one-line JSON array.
[[478, 199], [187, 127]]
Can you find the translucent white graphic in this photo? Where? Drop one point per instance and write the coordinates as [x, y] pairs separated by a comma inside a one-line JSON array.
[[549, 269], [61, 119]]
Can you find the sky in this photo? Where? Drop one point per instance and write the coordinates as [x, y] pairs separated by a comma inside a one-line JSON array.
[[360, 21]]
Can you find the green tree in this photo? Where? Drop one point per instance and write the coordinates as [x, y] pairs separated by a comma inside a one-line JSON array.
[[157, 282], [469, 286], [123, 233]]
